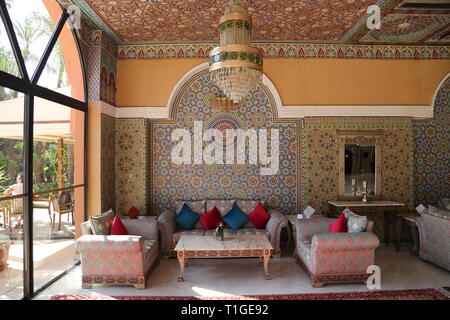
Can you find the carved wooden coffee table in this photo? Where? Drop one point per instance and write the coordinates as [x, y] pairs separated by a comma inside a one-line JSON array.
[[201, 247]]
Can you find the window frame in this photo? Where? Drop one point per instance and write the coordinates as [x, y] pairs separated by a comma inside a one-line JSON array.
[[29, 87]]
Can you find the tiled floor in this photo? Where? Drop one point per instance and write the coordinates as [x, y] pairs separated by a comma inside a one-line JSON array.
[[221, 277]]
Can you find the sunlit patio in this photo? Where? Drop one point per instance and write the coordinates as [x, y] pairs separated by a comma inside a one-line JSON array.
[[54, 250]]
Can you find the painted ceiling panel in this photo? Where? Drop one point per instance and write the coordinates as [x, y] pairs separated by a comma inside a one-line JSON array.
[[404, 22], [197, 20]]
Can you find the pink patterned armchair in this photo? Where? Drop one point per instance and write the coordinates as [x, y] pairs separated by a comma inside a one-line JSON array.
[[334, 257], [119, 260]]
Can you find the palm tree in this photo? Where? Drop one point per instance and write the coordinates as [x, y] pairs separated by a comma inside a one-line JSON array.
[[7, 61], [46, 26], [27, 33], [7, 64]]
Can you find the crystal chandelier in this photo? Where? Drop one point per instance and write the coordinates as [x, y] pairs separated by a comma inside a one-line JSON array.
[[235, 66]]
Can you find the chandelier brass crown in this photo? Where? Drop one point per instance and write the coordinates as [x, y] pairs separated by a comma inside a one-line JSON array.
[[235, 66]]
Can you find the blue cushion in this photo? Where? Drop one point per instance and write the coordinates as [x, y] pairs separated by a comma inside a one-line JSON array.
[[187, 218], [235, 218]]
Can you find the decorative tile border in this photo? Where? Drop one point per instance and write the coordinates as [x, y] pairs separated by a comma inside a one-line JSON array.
[[288, 50]]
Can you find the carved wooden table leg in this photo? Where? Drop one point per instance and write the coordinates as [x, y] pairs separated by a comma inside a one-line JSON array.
[[294, 238], [289, 226], [266, 266], [398, 232], [415, 236], [181, 262]]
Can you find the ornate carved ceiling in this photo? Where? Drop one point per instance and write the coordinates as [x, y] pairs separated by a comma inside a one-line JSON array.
[[404, 22], [184, 20]]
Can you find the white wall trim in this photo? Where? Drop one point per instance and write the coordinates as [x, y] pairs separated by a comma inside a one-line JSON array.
[[284, 112], [439, 88], [108, 109]]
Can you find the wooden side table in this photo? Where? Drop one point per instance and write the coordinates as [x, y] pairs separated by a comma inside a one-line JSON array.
[[384, 209], [410, 220], [292, 231], [291, 228]]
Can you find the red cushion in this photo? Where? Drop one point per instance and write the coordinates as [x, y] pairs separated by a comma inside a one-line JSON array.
[[118, 228], [211, 219], [339, 225], [133, 213], [259, 217]]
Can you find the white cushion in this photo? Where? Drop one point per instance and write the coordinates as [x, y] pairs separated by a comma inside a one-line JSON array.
[[421, 209], [355, 223]]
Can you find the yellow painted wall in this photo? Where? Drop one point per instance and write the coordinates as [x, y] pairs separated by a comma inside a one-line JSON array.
[[149, 83], [356, 82]]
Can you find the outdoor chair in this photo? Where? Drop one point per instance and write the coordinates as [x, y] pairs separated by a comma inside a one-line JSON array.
[[43, 203], [14, 209], [62, 205]]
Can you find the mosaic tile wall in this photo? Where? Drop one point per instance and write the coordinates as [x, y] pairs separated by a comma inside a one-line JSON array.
[[108, 152], [93, 68], [320, 158], [131, 146], [432, 152], [100, 64], [415, 156], [195, 102]]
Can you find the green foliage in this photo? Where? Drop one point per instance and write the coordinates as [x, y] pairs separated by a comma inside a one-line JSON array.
[[45, 165], [49, 166], [3, 179], [30, 31]]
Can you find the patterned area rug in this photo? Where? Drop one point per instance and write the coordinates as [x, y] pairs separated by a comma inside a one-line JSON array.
[[416, 294]]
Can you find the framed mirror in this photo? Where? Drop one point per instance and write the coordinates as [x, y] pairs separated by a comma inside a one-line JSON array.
[[359, 163]]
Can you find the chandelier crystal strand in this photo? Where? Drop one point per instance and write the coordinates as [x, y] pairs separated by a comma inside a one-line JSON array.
[[235, 66]]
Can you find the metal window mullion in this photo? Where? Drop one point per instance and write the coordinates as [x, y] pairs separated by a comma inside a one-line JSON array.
[[28, 268], [17, 84], [49, 48]]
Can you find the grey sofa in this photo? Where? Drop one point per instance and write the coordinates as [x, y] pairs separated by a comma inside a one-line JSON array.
[[171, 232]]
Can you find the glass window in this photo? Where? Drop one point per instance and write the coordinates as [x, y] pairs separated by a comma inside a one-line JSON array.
[[63, 71], [55, 76], [11, 186], [7, 60], [58, 151], [33, 27], [58, 168]]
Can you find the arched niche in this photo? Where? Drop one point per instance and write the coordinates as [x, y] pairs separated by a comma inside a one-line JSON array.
[[193, 100], [266, 84]]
